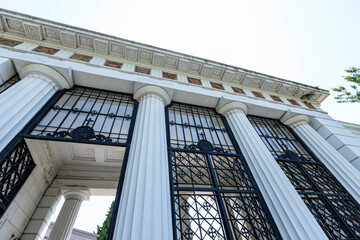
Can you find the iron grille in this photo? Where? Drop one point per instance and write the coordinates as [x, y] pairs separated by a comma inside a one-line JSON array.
[[9, 83], [332, 206], [15, 168], [84, 114], [214, 194], [189, 124]]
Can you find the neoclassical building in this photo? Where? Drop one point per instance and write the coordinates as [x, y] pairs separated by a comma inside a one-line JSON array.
[[192, 148]]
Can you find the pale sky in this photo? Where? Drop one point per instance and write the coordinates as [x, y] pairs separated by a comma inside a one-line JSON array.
[[307, 41]]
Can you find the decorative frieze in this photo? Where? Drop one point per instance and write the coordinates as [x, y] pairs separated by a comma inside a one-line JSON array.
[[131, 53], [206, 71], [144, 56], [194, 80], [309, 105], [217, 85], [113, 64], [238, 90], [168, 75], [32, 31], [158, 59], [81, 57], [258, 94], [15, 25], [276, 98], [53, 34], [228, 76], [9, 42], [293, 102], [170, 61], [142, 70], [117, 49], [101, 47], [46, 50], [68, 39], [68, 36], [85, 41], [183, 65]]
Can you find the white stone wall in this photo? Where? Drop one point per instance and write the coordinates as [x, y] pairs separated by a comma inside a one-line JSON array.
[[346, 142], [15, 219]]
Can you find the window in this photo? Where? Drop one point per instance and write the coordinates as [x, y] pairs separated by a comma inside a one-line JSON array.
[[214, 194], [16, 165], [332, 206], [88, 115]]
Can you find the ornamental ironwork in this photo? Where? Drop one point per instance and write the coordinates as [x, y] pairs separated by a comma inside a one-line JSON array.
[[15, 168], [214, 194], [83, 114], [332, 206]]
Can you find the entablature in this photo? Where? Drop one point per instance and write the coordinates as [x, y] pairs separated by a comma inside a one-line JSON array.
[[72, 43]]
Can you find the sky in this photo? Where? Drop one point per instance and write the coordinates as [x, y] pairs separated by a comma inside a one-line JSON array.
[[307, 41]]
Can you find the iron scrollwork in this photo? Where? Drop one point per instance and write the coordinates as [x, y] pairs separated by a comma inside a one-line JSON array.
[[206, 146], [82, 132]]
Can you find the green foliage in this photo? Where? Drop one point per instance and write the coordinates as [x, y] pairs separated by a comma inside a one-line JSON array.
[[352, 94], [103, 231]]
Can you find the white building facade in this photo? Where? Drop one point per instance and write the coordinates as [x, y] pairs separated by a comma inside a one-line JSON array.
[[192, 149]]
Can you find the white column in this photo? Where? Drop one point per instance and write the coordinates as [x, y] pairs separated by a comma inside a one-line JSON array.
[[290, 213], [145, 203], [65, 221], [22, 101], [343, 171], [6, 70]]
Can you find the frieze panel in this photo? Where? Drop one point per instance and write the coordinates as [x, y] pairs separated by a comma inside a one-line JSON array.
[[183, 65], [158, 59], [101, 46], [170, 61], [216, 72], [52, 33], [287, 89], [238, 77], [250, 81], [270, 86], [33, 31], [117, 49], [131, 53], [68, 39], [195, 67], [228, 76], [86, 41], [15, 25], [206, 70], [144, 55]]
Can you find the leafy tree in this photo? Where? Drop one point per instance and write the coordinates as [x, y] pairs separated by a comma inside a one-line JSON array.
[[353, 94], [103, 231]]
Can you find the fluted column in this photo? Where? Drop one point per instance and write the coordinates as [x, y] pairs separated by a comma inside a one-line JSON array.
[[65, 221], [343, 171], [290, 213], [145, 203], [23, 100]]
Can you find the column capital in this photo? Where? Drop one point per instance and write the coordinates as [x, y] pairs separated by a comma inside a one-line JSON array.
[[36, 70], [79, 193], [224, 109], [292, 120], [152, 90]]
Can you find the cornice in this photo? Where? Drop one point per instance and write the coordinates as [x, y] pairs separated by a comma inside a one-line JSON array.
[[78, 39]]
